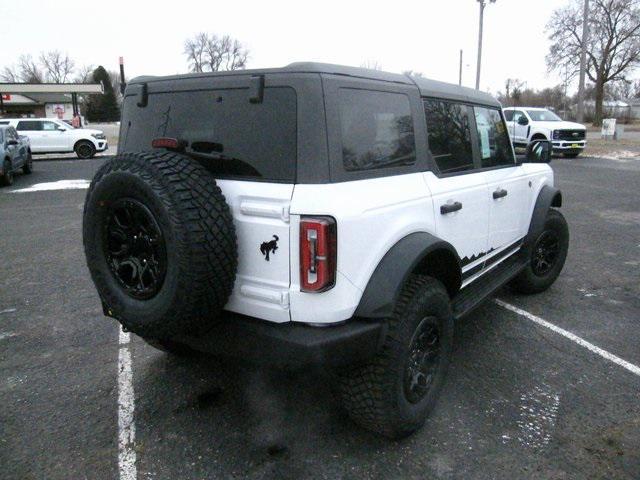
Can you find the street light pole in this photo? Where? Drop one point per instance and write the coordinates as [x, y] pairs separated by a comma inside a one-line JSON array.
[[460, 72], [482, 3], [123, 84], [583, 61]]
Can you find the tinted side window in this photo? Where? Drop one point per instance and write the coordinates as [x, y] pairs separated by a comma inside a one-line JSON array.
[[493, 139], [516, 116], [377, 129], [508, 115], [449, 135], [29, 125], [49, 126]]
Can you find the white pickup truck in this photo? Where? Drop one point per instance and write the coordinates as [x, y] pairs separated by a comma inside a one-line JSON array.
[[526, 124]]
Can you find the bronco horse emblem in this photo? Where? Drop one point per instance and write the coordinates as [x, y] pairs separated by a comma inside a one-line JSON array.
[[271, 246]]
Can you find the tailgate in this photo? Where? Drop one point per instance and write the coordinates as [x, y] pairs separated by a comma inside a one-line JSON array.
[[261, 217]]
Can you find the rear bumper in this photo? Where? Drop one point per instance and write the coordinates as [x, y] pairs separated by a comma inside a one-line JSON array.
[[291, 344]]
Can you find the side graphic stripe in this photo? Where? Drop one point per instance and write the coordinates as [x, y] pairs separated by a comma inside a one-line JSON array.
[[491, 260]]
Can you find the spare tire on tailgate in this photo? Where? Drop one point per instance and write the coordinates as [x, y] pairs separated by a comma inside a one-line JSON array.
[[160, 243]]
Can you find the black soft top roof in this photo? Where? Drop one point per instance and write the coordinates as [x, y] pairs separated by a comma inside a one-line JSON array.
[[428, 88]]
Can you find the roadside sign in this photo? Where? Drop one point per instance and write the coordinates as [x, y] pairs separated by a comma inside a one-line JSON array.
[[608, 127]]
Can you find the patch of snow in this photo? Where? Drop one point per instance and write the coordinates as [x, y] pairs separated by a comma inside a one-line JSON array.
[[621, 155], [59, 185], [538, 413]]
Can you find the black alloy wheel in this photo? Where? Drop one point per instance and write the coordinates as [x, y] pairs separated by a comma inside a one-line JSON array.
[[135, 248], [545, 253], [423, 361], [85, 150]]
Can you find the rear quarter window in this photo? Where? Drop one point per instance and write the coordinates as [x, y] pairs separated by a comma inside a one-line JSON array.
[[234, 137], [29, 125], [449, 132], [376, 129]]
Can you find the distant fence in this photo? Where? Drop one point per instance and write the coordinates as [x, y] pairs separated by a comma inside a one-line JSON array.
[[623, 114]]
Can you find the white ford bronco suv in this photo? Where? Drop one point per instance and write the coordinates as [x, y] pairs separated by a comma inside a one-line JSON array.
[[527, 124], [319, 214]]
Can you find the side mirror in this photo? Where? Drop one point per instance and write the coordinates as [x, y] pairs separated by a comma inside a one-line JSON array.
[[539, 151], [12, 142], [523, 120], [61, 129]]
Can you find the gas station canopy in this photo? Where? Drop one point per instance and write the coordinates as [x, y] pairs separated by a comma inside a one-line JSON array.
[[23, 104], [51, 88]]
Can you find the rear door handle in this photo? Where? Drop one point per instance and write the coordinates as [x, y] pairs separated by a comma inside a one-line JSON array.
[[450, 207], [501, 192]]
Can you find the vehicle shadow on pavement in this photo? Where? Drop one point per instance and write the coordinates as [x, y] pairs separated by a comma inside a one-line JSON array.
[[249, 419], [204, 417], [224, 417]]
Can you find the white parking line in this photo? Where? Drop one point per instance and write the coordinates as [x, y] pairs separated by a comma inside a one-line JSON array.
[[59, 185], [126, 425], [574, 338]]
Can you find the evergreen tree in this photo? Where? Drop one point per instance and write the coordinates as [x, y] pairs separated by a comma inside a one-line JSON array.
[[103, 108]]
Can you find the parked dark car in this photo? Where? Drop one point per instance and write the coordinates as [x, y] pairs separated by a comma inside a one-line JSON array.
[[15, 152]]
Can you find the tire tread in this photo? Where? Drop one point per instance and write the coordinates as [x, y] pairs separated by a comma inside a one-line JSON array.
[[367, 392], [195, 202]]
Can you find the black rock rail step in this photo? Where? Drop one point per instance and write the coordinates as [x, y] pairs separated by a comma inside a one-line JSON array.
[[473, 294]]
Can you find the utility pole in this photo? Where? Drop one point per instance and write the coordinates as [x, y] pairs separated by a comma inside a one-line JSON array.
[[583, 61], [566, 86], [123, 84], [482, 3], [460, 72]]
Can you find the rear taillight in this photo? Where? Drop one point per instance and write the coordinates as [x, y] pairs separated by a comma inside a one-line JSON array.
[[169, 143], [318, 253]]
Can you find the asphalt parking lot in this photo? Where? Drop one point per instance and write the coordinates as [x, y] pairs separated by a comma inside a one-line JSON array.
[[521, 400]]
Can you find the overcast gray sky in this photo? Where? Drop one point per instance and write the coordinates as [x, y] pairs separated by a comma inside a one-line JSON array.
[[423, 36]]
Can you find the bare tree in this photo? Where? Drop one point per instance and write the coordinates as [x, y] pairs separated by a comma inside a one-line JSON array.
[[84, 74], [621, 90], [371, 65], [513, 88], [10, 75], [194, 49], [613, 47], [29, 70], [210, 53], [57, 66]]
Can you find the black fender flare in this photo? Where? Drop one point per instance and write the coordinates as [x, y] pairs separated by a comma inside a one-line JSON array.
[[385, 284], [547, 198]]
